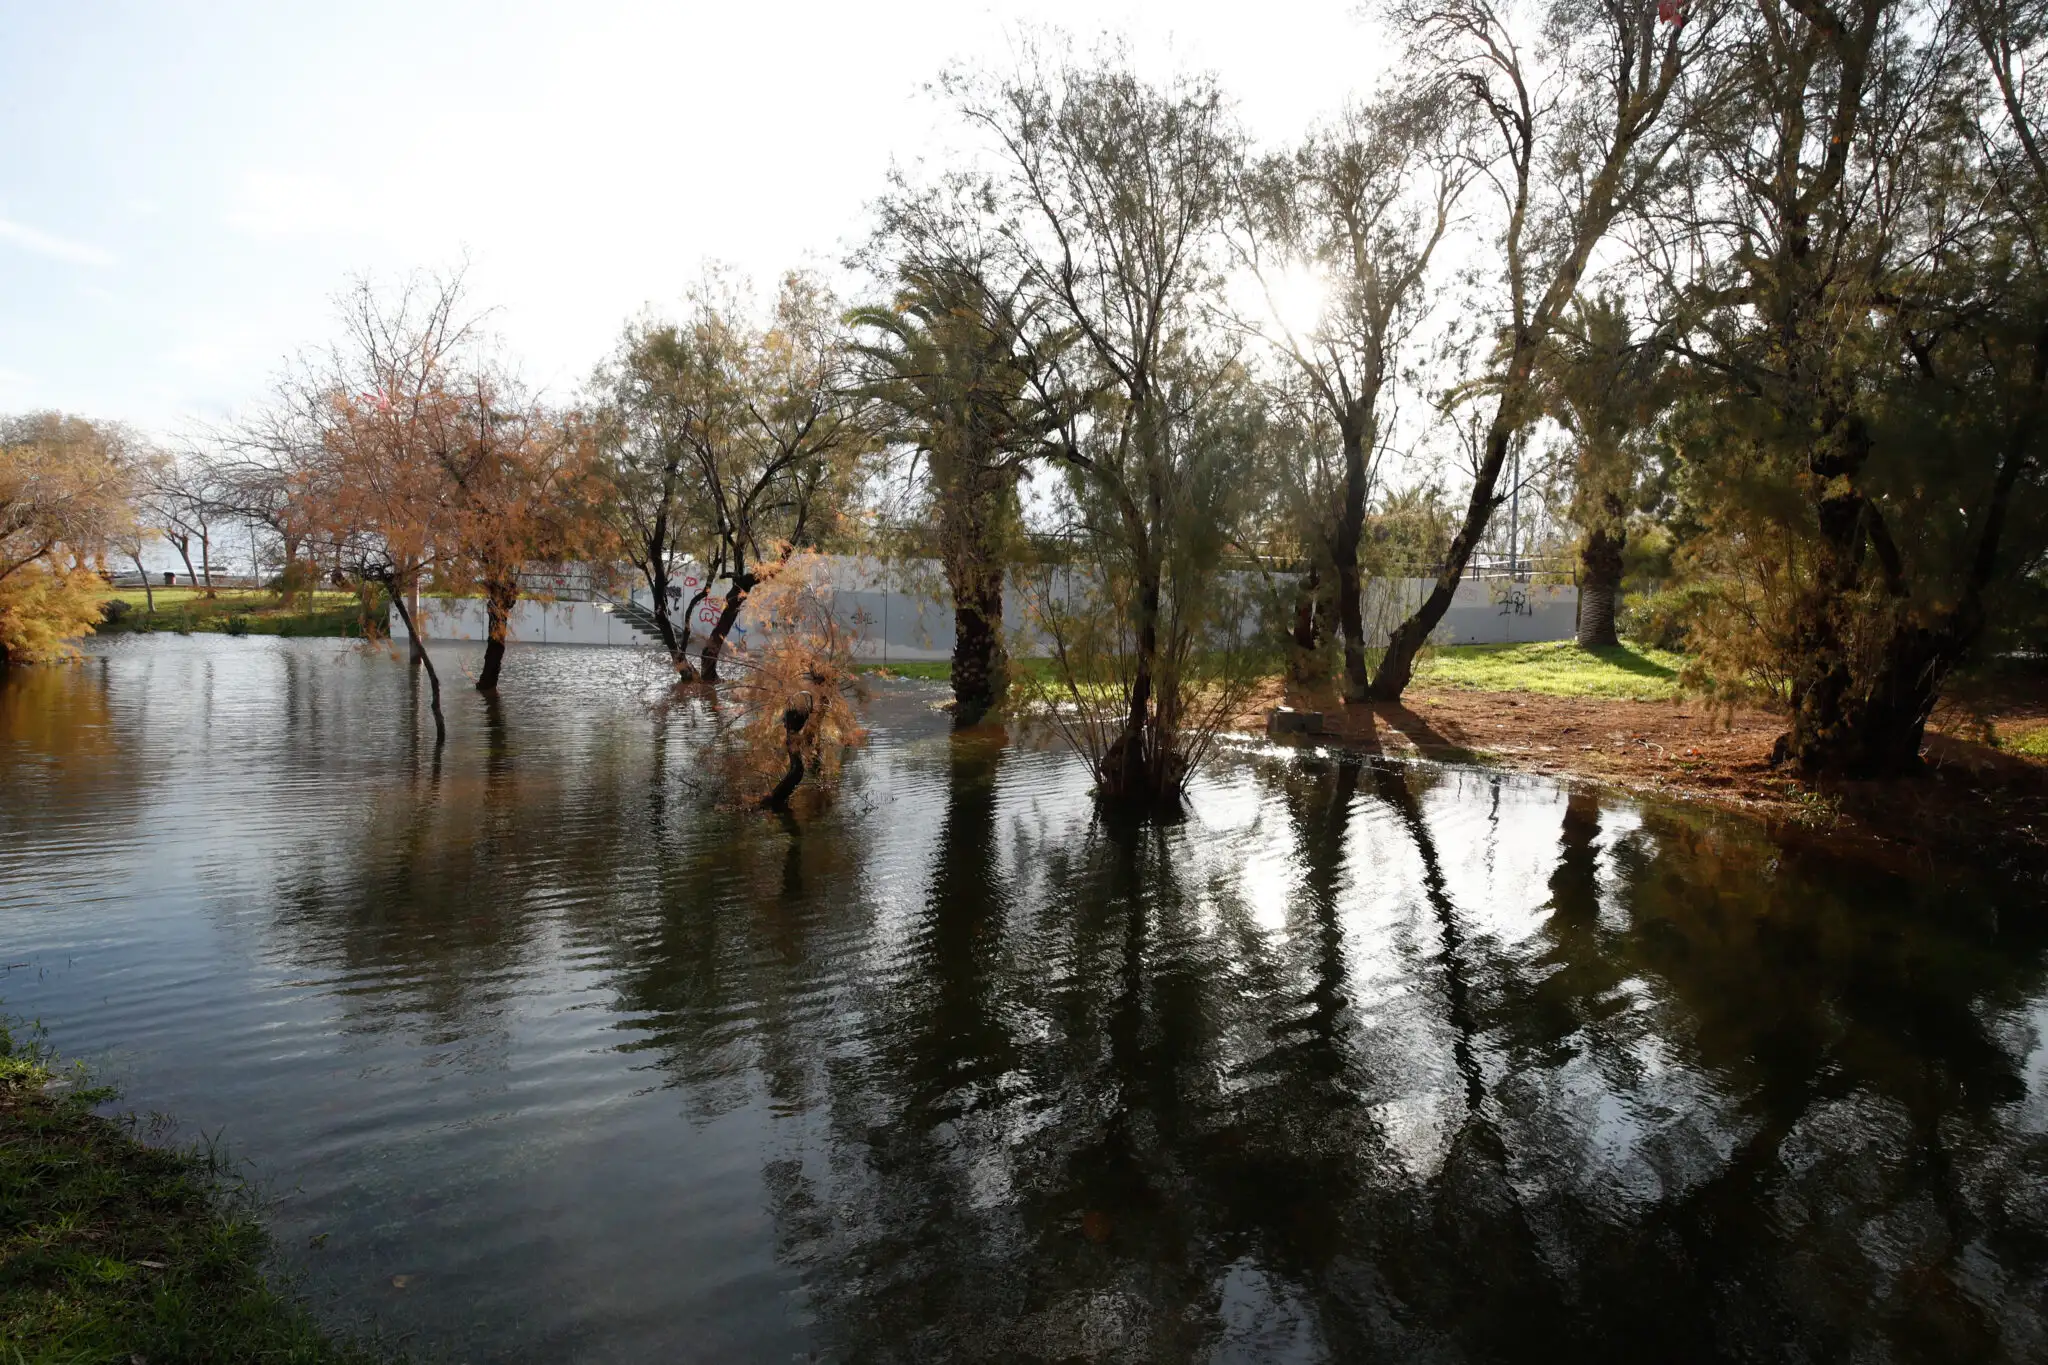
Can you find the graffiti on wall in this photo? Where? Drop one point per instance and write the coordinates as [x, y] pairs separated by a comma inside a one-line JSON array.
[[1514, 601]]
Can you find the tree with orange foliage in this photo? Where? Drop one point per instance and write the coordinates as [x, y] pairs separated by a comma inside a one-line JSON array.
[[796, 690], [433, 460], [510, 471], [64, 493], [391, 405]]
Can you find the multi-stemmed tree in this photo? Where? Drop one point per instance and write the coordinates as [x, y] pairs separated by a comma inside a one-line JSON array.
[[1579, 108], [1354, 218], [651, 496], [1112, 191], [784, 442], [1861, 273]]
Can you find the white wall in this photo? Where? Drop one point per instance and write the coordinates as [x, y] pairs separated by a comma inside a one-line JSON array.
[[543, 623], [901, 612]]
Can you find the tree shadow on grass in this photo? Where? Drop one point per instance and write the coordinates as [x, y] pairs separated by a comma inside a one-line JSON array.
[[1629, 661]]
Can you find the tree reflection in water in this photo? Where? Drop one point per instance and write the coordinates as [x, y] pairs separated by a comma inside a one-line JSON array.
[[1364, 1060], [1090, 1106]]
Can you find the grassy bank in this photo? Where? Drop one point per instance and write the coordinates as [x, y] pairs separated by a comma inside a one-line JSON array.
[[941, 670], [187, 611], [1557, 669], [113, 1251]]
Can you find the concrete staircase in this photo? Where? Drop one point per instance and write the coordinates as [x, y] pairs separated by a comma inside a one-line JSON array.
[[638, 617]]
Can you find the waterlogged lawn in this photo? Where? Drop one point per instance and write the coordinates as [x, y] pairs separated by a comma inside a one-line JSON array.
[[1556, 668]]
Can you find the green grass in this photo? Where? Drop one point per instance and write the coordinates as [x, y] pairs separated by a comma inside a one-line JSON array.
[[1556, 668], [115, 1251], [235, 612], [927, 670], [2032, 743], [1559, 669], [941, 670]]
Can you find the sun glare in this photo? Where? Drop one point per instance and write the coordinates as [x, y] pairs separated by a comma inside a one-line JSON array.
[[1292, 299]]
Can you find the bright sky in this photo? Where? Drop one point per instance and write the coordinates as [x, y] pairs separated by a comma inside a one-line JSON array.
[[184, 187]]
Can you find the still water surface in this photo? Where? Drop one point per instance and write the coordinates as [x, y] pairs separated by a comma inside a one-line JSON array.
[[561, 1059]]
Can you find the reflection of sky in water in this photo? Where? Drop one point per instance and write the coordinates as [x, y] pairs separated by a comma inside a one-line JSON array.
[[1356, 1060]]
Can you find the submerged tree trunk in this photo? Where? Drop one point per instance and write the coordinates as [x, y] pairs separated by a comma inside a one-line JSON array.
[[742, 584], [1600, 586], [973, 496], [1142, 764], [981, 666], [655, 570], [657, 588], [419, 655], [795, 717], [500, 595], [686, 670]]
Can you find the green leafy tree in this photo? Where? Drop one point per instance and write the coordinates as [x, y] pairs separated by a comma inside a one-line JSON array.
[[1358, 213], [950, 361], [1113, 191], [1606, 386], [1576, 123], [1870, 330]]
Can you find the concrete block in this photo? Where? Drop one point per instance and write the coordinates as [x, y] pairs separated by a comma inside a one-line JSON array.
[[1285, 720]]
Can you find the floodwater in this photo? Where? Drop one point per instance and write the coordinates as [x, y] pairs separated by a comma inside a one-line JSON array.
[[546, 1053]]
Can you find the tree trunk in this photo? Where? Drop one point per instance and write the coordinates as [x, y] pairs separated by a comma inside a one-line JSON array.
[[707, 663], [795, 716], [684, 668], [1600, 587], [981, 666], [1870, 726], [148, 593], [1397, 665], [1350, 590], [657, 587], [288, 576], [419, 654], [1141, 764], [499, 597], [206, 560], [1859, 706], [791, 777], [1305, 661]]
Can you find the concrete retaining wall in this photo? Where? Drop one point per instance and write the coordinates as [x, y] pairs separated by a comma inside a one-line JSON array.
[[543, 623], [902, 612]]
